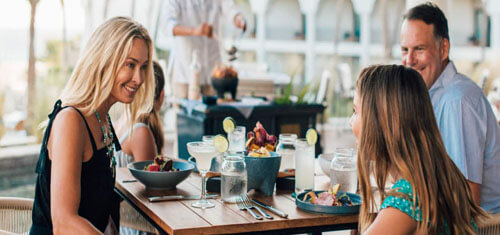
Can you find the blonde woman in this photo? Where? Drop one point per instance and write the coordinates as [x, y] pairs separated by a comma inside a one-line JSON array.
[[145, 139], [394, 124], [76, 168]]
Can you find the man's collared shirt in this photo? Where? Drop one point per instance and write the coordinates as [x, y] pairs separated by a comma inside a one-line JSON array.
[[470, 132]]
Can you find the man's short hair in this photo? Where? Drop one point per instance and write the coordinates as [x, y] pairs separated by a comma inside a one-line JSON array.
[[430, 14]]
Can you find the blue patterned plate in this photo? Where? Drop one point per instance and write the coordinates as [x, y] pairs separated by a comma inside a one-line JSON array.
[[309, 207]]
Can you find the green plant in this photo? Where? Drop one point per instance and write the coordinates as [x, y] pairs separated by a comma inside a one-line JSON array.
[[302, 93]]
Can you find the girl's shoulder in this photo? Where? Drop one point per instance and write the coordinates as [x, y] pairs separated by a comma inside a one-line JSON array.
[[402, 199]]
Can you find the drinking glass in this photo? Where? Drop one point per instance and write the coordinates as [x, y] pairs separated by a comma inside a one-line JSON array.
[[304, 166], [343, 169], [209, 139], [203, 153], [234, 177], [237, 140], [286, 148], [216, 162]]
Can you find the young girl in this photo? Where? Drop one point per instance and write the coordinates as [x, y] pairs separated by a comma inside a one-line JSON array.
[[141, 142], [145, 139], [397, 135], [76, 169]]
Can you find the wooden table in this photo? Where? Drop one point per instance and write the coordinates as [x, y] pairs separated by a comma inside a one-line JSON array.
[[179, 217]]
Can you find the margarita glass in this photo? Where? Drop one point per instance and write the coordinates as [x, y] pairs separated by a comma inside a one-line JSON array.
[[203, 153]]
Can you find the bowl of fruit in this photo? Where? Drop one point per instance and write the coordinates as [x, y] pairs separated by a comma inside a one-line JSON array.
[[162, 173], [225, 79], [261, 161]]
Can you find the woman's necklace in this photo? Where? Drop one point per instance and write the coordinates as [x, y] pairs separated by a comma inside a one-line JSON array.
[[108, 142]]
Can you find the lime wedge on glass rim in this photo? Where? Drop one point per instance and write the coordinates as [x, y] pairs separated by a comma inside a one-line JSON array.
[[228, 124], [220, 143], [311, 136]]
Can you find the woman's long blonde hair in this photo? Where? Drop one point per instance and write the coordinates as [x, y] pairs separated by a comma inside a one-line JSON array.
[[399, 135], [96, 70]]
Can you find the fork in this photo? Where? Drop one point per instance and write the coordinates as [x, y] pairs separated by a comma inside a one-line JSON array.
[[250, 205], [241, 206]]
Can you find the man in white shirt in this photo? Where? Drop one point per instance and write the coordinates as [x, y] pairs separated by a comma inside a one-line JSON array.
[[195, 26]]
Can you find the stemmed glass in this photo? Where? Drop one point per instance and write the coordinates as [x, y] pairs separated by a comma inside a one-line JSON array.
[[203, 153]]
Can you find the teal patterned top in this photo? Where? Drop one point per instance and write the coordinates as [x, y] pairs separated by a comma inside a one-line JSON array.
[[405, 205]]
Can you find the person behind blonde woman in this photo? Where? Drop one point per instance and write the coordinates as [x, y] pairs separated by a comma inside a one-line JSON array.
[[145, 139], [396, 131], [140, 141], [76, 168]]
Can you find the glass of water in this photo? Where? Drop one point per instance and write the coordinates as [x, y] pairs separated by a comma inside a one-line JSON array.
[[304, 166], [343, 169], [286, 147], [237, 140], [234, 177]]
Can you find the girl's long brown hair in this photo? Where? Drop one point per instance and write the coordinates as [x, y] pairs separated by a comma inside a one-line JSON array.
[[399, 135], [152, 119]]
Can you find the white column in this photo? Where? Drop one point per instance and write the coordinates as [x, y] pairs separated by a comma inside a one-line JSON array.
[[364, 9], [309, 8], [259, 8], [493, 9]]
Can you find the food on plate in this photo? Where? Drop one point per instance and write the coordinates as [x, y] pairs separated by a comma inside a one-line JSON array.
[[222, 71], [259, 142], [329, 198], [161, 163]]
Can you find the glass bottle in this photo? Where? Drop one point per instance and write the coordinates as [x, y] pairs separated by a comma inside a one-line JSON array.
[[234, 177], [286, 148]]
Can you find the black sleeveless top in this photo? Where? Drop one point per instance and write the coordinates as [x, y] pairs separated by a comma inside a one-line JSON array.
[[98, 201]]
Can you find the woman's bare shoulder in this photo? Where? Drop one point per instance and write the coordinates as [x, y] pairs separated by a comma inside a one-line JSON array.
[[69, 118], [68, 130]]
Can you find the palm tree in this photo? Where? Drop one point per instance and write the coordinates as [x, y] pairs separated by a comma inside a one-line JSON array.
[[30, 108]]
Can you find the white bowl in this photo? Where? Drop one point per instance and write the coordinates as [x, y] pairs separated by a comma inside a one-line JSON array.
[[325, 159]]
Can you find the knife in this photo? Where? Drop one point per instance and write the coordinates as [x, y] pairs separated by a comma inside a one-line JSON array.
[[278, 212], [179, 197]]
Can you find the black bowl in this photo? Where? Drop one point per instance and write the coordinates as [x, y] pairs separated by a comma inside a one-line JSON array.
[[226, 84], [209, 100]]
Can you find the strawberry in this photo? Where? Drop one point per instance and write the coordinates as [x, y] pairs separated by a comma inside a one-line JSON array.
[[153, 167]]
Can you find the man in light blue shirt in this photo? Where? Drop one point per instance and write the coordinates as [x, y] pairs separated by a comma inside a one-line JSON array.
[[468, 126]]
